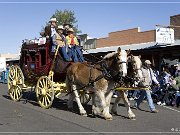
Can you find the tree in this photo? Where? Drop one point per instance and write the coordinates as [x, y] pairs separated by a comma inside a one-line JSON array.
[[66, 16]]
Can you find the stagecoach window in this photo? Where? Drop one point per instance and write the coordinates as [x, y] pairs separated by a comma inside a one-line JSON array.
[[26, 57], [32, 54], [43, 57]]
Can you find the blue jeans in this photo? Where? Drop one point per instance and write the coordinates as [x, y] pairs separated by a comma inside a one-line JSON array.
[[146, 93], [53, 43], [72, 54], [64, 53], [53, 48], [135, 93], [79, 54]]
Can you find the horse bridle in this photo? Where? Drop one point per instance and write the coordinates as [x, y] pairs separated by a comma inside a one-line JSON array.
[[110, 74]]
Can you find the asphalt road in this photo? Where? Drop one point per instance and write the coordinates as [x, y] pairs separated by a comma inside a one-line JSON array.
[[30, 118]]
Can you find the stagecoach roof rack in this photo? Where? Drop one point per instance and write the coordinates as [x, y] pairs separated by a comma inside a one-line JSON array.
[[39, 41]]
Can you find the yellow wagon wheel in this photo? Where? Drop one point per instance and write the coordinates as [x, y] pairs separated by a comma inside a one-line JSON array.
[[84, 97], [15, 83], [45, 92]]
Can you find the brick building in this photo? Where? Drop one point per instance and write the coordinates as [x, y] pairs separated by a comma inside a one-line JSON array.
[[140, 42], [135, 36], [126, 37], [175, 20]]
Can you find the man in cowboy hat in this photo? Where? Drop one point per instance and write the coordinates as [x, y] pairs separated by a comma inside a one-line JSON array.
[[50, 30], [59, 39], [66, 26], [73, 46]]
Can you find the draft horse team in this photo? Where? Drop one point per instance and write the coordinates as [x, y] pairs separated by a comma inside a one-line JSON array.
[[102, 78]]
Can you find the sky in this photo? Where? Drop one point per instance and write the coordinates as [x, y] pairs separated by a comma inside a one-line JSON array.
[[24, 19]]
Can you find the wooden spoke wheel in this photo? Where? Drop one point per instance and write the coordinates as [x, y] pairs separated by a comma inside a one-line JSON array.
[[45, 92], [15, 83], [84, 97]]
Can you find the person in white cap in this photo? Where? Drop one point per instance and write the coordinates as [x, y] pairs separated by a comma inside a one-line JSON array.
[[147, 79], [59, 39], [50, 30]]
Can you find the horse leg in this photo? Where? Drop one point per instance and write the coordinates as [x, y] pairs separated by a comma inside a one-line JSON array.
[[71, 94], [108, 99], [81, 108], [115, 105], [95, 109], [105, 111], [70, 101], [131, 115]]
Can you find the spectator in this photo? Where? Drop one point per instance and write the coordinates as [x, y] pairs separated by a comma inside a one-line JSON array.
[[147, 79]]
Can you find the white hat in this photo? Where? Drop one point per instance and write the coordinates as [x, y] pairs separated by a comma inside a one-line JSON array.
[[60, 27], [53, 20], [147, 62], [70, 30]]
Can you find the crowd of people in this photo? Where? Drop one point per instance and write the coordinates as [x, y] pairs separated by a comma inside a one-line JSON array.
[[165, 87], [65, 37]]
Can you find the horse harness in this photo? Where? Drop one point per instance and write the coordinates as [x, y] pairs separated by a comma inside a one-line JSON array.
[[107, 73]]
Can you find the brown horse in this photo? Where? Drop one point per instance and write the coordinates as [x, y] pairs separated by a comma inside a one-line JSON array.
[[135, 74], [99, 78]]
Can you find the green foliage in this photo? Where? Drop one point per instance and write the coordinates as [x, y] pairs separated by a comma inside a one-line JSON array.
[[66, 16]]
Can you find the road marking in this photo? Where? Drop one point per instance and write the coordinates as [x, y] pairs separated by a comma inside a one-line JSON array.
[[171, 109]]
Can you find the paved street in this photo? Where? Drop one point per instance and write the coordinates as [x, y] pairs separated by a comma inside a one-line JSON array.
[[30, 118]]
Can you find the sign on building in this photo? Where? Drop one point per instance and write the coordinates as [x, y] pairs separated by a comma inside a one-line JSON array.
[[164, 35]]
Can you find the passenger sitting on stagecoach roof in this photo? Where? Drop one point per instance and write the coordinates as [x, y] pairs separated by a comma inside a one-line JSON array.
[[50, 30], [74, 51], [66, 26], [59, 39]]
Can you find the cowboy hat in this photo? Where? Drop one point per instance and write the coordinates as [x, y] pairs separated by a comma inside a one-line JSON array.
[[147, 62], [53, 20], [70, 30], [60, 27], [67, 25]]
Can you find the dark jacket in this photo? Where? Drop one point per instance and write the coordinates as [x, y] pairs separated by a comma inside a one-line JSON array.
[[48, 31]]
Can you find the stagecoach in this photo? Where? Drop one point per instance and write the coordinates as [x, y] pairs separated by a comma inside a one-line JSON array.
[[45, 72], [40, 70]]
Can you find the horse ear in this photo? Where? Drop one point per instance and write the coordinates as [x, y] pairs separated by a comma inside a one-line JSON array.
[[139, 56], [128, 52], [119, 50]]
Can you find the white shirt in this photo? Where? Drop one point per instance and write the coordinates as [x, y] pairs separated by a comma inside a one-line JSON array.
[[151, 74], [53, 31]]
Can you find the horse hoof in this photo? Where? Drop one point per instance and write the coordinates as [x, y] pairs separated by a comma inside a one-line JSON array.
[[109, 118], [94, 115], [114, 113], [132, 118], [84, 114], [70, 109]]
